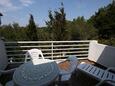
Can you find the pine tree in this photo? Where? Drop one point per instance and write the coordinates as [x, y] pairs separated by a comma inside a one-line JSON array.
[[57, 24], [31, 29]]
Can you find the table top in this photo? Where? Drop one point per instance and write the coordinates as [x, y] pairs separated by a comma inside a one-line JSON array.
[[39, 73]]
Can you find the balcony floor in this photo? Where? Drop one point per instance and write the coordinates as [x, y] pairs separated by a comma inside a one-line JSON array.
[[77, 79]]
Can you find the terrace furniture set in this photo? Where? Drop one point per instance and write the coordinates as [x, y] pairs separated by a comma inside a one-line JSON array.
[[44, 71], [40, 71]]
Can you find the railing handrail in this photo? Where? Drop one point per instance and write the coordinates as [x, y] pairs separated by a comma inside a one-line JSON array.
[[46, 41]]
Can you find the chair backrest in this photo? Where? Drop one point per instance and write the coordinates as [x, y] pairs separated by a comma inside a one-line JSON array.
[[73, 62], [72, 59], [1, 84], [34, 54], [3, 56], [102, 54]]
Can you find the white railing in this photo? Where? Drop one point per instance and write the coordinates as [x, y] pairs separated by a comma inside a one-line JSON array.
[[51, 49]]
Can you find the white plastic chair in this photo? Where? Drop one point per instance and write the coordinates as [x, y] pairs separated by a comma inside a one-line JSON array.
[[34, 54], [10, 71], [65, 75], [4, 59], [98, 73], [103, 55]]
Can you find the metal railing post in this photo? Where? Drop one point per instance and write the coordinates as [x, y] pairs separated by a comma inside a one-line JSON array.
[[11, 60]]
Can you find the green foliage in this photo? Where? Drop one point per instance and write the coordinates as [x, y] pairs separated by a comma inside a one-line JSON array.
[[80, 29], [104, 21], [13, 32], [44, 34], [110, 42], [31, 30], [57, 24], [100, 26], [58, 28], [7, 32]]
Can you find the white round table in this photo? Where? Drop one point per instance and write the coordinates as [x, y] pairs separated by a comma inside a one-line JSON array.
[[40, 73]]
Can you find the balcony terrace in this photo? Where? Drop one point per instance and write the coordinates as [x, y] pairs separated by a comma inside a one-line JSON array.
[[89, 51]]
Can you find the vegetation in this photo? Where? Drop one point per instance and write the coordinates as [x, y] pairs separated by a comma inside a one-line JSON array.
[[57, 25], [31, 30], [101, 26], [104, 22]]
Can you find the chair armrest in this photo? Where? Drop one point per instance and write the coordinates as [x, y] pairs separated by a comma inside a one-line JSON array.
[[110, 68], [103, 81], [60, 61], [8, 71]]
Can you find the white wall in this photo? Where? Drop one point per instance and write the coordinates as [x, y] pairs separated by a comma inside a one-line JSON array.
[[102, 54], [3, 56]]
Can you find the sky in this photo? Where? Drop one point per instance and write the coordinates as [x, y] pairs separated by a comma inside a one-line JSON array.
[[18, 10]]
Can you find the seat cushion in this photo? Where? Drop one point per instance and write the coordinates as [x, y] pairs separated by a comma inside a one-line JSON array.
[[64, 65], [91, 70]]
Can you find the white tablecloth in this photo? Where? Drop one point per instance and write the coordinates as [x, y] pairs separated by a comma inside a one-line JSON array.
[[39, 73]]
